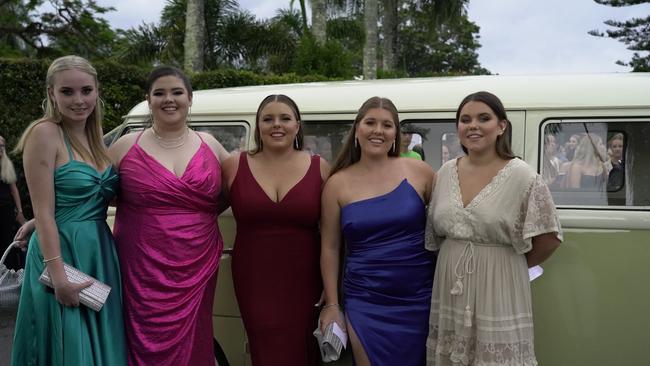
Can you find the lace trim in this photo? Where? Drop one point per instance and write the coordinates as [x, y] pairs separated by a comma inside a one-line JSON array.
[[449, 348], [538, 216], [489, 188]]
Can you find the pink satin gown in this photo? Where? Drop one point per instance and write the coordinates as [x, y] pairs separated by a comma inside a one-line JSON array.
[[169, 247]]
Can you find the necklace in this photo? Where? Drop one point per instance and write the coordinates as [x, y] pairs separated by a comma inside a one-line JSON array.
[[172, 143]]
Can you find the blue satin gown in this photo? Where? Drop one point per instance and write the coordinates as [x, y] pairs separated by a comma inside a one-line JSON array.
[[388, 276]]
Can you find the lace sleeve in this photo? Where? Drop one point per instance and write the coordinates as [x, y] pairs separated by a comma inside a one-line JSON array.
[[540, 216], [431, 240]]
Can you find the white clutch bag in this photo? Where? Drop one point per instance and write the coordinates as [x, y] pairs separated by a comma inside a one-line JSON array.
[[332, 342], [93, 296]]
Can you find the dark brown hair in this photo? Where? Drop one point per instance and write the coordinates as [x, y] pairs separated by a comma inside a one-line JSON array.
[[350, 153], [494, 103], [280, 98]]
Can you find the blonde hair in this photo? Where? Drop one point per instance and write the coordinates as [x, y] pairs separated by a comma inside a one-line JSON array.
[[587, 153], [7, 171], [97, 154]]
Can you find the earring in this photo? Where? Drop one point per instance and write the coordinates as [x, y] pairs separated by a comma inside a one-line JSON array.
[[356, 142], [393, 145], [151, 116], [101, 102], [295, 140]]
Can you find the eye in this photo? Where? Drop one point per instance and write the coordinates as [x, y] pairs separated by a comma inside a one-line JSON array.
[[66, 91], [87, 91], [179, 92], [464, 119], [158, 93]]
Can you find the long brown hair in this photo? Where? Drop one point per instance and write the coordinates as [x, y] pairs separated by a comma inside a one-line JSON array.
[[494, 103], [280, 98], [97, 154], [350, 152]]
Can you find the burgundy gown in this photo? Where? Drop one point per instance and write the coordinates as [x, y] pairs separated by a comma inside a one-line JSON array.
[[275, 267], [169, 247]]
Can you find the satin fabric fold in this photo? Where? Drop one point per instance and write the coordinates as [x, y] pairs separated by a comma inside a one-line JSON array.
[[169, 247], [388, 276]]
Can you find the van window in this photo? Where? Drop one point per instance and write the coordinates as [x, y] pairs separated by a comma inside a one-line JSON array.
[[438, 139], [597, 163], [232, 135], [325, 138]]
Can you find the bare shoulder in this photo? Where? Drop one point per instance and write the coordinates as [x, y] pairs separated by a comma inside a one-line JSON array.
[[419, 167], [119, 148], [336, 181], [231, 163], [46, 136], [324, 169], [216, 147]]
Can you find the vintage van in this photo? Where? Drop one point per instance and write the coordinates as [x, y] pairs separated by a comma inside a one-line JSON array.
[[591, 306]]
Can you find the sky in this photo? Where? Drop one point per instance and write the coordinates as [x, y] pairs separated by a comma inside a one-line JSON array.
[[517, 36]]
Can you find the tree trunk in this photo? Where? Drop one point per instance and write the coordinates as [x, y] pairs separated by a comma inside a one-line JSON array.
[[319, 21], [390, 34], [370, 13], [194, 36]]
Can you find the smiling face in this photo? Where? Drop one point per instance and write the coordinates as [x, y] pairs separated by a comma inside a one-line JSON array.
[[616, 147], [278, 126], [74, 94], [169, 101], [376, 132], [479, 127]]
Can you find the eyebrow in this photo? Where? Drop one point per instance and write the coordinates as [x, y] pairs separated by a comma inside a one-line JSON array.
[[172, 89]]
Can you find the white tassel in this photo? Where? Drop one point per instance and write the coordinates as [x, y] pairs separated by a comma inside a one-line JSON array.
[[468, 316], [458, 288]]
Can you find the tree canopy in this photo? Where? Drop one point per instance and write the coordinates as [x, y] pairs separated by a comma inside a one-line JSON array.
[[634, 33]]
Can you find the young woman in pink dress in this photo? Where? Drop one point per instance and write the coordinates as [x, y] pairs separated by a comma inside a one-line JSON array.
[[166, 230]]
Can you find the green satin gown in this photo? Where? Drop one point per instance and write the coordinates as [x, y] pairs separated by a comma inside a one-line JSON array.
[[48, 333]]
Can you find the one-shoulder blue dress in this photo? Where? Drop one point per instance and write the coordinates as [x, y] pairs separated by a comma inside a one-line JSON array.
[[388, 276]]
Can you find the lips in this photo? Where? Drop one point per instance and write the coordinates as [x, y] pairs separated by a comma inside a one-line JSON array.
[[277, 134]]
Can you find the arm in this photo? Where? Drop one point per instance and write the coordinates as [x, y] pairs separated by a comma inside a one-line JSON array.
[[228, 171], [574, 175], [19, 206], [543, 246], [330, 251], [39, 159], [216, 147], [324, 170]]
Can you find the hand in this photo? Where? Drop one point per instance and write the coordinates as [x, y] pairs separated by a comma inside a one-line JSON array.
[[331, 314], [67, 293], [24, 233]]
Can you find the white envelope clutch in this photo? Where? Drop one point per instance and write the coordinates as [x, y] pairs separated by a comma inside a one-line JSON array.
[[93, 296], [332, 342]]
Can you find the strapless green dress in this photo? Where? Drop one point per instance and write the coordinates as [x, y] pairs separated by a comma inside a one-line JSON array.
[[48, 333]]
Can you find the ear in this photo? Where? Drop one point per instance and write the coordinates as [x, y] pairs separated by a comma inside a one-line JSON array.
[[148, 100], [503, 124], [50, 94], [190, 98]]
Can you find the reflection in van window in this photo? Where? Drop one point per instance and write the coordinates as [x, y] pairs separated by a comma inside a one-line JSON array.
[[325, 138], [597, 163]]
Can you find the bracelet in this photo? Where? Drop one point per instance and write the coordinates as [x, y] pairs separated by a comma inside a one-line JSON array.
[[329, 305], [51, 259]]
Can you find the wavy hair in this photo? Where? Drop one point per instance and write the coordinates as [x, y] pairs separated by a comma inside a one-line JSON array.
[[97, 153]]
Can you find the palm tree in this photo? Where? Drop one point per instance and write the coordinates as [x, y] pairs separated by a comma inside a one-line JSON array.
[[319, 20], [194, 36], [370, 15]]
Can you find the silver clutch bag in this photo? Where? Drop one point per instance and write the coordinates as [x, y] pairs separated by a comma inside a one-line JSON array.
[[332, 342], [93, 296]]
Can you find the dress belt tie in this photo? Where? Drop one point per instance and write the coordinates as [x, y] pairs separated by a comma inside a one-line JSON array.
[[465, 266]]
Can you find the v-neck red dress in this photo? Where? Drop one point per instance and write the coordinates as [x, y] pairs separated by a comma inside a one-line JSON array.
[[275, 267], [169, 247]]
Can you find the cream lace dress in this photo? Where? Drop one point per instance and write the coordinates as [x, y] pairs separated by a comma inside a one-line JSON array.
[[481, 311]]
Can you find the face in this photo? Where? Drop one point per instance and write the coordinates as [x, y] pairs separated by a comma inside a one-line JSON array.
[[278, 126], [406, 140], [376, 132], [169, 101], [479, 127], [573, 143], [616, 146], [550, 146], [74, 94]]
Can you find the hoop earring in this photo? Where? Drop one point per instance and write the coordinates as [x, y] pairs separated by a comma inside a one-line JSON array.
[[295, 140], [393, 145], [356, 142], [43, 104], [151, 117]]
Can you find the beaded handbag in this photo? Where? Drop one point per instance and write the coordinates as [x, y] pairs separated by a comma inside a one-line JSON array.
[[10, 282], [93, 296]]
